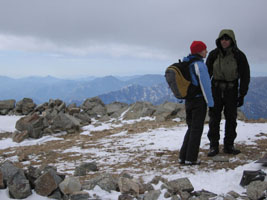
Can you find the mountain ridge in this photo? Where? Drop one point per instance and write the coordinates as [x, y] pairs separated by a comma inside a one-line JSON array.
[[149, 87]]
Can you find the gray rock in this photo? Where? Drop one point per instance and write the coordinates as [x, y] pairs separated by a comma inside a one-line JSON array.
[[256, 189], [8, 170], [125, 174], [56, 195], [31, 123], [70, 185], [40, 108], [145, 187], [73, 111], [47, 183], [2, 184], [18, 186], [83, 117], [180, 185], [32, 174], [4, 111], [105, 181], [167, 194], [115, 109], [6, 106], [54, 103], [94, 107], [72, 105], [185, 195], [18, 136], [138, 110], [168, 110], [126, 197], [25, 106], [84, 168], [128, 186], [203, 194], [81, 195], [64, 122], [175, 197], [152, 195], [220, 159], [61, 107], [233, 194], [157, 179], [228, 197]]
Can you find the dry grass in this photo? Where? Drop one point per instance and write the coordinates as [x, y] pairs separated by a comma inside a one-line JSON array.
[[141, 162]]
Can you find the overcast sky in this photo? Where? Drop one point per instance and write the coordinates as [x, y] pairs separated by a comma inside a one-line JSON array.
[[75, 38]]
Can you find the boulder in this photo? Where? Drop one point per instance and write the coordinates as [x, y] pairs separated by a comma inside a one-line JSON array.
[[94, 107], [18, 136], [6, 106], [105, 181], [203, 194], [256, 190], [73, 111], [81, 195], [19, 186], [84, 168], [70, 185], [34, 124], [32, 174], [115, 109], [40, 108], [180, 185], [128, 186], [138, 110], [64, 122], [9, 170], [152, 195], [47, 183], [169, 110], [126, 197], [56, 195], [25, 106], [83, 117]]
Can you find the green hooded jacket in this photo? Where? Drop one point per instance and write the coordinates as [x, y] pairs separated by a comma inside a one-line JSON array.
[[241, 60]]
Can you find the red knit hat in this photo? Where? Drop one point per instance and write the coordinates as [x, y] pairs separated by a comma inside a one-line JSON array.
[[197, 46]]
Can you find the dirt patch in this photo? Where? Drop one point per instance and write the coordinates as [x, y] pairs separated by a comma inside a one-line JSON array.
[[84, 148]]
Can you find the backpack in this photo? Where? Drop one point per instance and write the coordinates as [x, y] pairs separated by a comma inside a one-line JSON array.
[[179, 80]]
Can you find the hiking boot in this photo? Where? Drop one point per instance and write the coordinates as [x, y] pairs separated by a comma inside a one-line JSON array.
[[231, 150], [192, 162], [213, 151]]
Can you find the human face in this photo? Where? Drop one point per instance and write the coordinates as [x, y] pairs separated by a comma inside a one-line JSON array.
[[203, 53], [225, 42]]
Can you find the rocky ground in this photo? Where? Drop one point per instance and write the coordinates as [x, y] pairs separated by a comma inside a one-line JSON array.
[[140, 162]]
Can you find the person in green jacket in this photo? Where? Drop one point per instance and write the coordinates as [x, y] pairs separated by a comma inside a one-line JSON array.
[[230, 74]]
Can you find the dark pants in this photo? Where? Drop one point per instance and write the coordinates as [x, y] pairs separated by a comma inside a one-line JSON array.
[[224, 100], [196, 109]]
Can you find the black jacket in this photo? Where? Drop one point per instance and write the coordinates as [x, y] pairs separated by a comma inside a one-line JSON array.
[[242, 63]]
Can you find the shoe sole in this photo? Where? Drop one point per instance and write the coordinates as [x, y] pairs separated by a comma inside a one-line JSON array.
[[232, 153]]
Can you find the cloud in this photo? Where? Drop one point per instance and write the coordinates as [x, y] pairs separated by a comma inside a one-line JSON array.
[[151, 29]]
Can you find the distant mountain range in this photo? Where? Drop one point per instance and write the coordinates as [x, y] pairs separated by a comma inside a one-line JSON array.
[[151, 88]]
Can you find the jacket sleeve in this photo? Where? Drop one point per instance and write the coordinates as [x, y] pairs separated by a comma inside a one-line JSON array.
[[204, 81], [210, 60], [244, 74]]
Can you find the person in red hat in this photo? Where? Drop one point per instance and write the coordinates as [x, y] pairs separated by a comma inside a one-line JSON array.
[[196, 107]]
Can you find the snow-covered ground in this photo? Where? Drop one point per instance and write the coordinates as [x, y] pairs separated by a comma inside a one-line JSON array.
[[219, 181]]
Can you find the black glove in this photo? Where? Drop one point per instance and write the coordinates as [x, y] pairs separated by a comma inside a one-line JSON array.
[[240, 101]]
